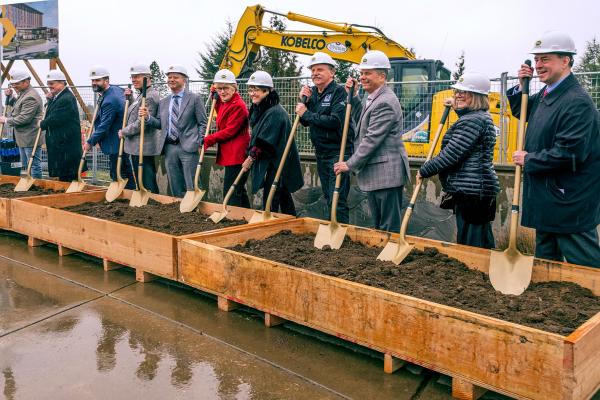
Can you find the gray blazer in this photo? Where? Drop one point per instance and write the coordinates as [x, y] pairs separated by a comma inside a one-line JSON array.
[[380, 160], [154, 139], [26, 113], [191, 123]]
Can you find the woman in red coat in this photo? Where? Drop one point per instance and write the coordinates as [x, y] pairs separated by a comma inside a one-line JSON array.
[[232, 135]]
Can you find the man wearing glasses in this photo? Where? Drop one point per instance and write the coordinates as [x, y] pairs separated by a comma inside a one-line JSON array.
[[561, 159]]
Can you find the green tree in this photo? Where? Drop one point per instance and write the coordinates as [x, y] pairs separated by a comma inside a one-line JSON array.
[[344, 70], [460, 67], [589, 65], [159, 80], [278, 63], [209, 62]]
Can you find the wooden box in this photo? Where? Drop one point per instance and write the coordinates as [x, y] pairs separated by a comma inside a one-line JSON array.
[[476, 350], [57, 186], [43, 220]]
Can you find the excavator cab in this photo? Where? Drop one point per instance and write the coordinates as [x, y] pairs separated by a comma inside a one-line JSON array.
[[415, 82]]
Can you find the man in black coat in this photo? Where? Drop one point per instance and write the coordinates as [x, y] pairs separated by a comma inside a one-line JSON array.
[[561, 159], [63, 129]]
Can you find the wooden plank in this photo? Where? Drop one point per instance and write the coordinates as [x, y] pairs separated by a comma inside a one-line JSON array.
[[108, 265], [225, 304], [582, 361], [65, 251], [487, 352], [392, 364], [273, 320], [35, 242], [143, 276], [464, 390]]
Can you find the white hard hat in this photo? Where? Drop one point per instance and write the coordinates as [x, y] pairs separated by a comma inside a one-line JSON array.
[[55, 75], [19, 75], [374, 59], [224, 76], [180, 69], [473, 82], [98, 72], [139, 69], [261, 78], [321, 58], [554, 42]]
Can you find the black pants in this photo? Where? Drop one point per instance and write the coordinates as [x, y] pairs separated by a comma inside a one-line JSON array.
[[579, 248], [473, 220], [240, 196], [386, 208], [68, 177], [282, 199], [148, 172], [327, 177], [126, 171]]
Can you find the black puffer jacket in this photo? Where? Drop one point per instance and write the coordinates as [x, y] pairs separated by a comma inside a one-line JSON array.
[[465, 162]]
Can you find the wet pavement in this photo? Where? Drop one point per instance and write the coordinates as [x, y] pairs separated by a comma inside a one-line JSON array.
[[69, 330]]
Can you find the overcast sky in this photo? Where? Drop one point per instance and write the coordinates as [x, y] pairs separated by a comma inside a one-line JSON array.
[[495, 36]]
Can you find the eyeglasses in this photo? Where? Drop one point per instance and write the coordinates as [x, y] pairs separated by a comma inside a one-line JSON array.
[[252, 90], [458, 92], [223, 88]]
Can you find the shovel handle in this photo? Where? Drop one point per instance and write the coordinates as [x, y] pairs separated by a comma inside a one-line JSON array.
[[142, 131], [122, 140], [6, 104], [232, 189], [35, 144], [515, 209], [206, 133]]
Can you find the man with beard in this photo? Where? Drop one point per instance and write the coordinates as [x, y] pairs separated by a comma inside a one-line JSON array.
[[109, 120]]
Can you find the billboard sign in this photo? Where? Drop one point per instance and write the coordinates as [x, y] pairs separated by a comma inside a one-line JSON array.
[[36, 25]]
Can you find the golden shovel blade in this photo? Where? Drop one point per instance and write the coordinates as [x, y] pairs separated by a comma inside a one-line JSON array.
[[139, 198], [75, 186], [115, 189], [24, 184], [330, 234], [261, 216], [191, 200], [395, 252], [510, 271], [217, 216]]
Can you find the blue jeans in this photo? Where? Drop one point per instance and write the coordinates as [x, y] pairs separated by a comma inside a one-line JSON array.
[[36, 166], [327, 177]]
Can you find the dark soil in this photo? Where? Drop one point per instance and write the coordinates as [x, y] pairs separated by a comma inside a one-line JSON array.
[[558, 307], [7, 191], [155, 216]]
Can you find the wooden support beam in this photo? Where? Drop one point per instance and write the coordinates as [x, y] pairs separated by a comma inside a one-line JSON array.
[[143, 276], [465, 390], [36, 76], [5, 71], [64, 251], [34, 242], [52, 63], [273, 320], [225, 304], [111, 265], [74, 89], [392, 364]]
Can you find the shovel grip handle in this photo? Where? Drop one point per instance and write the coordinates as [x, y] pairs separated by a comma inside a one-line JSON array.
[[526, 81], [144, 83]]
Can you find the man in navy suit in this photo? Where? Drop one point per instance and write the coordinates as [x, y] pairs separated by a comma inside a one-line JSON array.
[[109, 120]]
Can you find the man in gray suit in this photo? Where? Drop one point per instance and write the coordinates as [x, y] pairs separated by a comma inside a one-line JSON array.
[[25, 118], [380, 161], [154, 139], [182, 118]]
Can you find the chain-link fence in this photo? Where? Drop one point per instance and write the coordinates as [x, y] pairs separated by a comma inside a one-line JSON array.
[[422, 103]]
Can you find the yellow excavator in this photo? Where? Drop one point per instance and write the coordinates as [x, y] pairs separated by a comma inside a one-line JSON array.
[[421, 99]]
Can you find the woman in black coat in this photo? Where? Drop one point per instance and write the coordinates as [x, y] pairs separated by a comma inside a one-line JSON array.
[[271, 126], [63, 129], [465, 162]]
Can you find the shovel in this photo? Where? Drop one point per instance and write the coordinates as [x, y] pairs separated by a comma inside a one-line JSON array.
[[333, 234], [397, 251], [217, 216], [4, 115], [79, 184], [140, 197], [193, 197], [27, 181], [510, 270], [116, 187], [261, 216]]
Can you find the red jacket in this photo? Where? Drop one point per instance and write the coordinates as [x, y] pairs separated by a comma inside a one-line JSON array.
[[232, 133]]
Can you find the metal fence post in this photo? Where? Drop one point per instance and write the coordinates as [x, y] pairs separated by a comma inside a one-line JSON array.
[[503, 111]]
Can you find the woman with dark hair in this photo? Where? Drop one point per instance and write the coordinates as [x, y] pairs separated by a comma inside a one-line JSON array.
[[465, 162], [271, 127]]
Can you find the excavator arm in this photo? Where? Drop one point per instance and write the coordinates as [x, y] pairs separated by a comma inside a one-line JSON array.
[[346, 42]]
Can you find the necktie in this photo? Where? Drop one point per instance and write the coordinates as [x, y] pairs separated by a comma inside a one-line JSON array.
[[545, 92], [173, 132]]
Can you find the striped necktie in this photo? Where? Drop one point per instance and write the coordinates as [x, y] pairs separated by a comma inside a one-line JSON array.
[[173, 130]]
